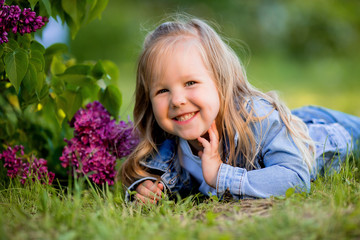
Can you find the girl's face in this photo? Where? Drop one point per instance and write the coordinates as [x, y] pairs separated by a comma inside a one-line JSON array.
[[184, 98]]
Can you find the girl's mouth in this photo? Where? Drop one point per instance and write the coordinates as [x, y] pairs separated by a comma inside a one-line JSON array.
[[185, 117]]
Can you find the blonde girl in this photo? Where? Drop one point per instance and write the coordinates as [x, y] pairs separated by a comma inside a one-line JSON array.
[[203, 127]]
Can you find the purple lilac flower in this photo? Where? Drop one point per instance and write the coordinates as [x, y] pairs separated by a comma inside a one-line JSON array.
[[90, 124], [17, 21], [39, 168], [102, 164], [72, 153], [98, 141], [21, 167], [122, 139], [13, 163]]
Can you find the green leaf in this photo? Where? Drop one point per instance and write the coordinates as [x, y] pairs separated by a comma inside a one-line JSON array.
[[33, 3], [111, 99], [8, 118], [74, 28], [75, 9], [57, 66], [81, 69], [37, 58], [40, 85], [1, 50], [92, 3], [112, 71], [70, 7], [98, 70], [56, 48], [24, 41], [30, 79], [10, 128], [35, 45], [2, 67], [47, 6], [16, 65], [44, 91], [57, 10], [96, 11], [77, 79], [89, 92], [78, 75], [58, 85], [69, 102], [26, 98], [12, 45]]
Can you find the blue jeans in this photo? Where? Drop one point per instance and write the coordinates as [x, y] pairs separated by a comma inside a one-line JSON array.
[[341, 132], [349, 122]]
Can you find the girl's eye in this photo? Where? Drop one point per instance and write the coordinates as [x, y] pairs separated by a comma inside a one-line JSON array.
[[161, 91], [190, 83]]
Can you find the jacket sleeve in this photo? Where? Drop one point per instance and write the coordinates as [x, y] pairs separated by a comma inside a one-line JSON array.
[[283, 166]]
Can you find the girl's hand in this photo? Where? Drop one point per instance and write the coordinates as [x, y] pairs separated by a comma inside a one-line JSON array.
[[210, 157], [149, 192]]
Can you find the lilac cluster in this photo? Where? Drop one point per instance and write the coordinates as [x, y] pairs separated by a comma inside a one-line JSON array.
[[21, 167], [17, 21], [98, 141]]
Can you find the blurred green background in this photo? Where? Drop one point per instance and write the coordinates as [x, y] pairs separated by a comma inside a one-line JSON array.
[[306, 50]]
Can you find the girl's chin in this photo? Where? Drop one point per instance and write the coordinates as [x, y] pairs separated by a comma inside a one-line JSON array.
[[194, 138]]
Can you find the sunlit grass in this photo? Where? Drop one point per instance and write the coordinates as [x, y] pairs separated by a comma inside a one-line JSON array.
[[82, 211]]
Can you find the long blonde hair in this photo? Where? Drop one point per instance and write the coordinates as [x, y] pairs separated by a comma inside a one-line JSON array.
[[233, 87]]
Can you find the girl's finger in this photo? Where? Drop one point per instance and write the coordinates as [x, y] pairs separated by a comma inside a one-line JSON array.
[[215, 130], [200, 153], [214, 140], [153, 187], [203, 142], [143, 199], [148, 184], [143, 190], [160, 186]]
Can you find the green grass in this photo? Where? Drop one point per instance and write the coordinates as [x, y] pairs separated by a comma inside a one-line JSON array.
[[34, 211]]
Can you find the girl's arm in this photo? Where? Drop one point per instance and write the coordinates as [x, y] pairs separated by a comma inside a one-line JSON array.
[[284, 167]]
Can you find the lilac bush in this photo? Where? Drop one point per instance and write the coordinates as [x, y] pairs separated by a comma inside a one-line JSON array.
[[98, 141], [13, 19], [18, 165]]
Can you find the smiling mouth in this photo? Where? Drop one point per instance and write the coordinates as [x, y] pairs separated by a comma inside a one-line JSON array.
[[185, 117]]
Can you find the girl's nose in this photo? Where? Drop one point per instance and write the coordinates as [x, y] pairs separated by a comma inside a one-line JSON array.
[[177, 100]]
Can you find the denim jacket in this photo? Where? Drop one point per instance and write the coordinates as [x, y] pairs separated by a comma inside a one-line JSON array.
[[279, 164]]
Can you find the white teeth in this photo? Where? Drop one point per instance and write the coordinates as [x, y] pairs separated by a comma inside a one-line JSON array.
[[185, 117]]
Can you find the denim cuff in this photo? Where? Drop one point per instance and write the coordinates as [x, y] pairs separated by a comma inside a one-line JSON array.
[[229, 178]]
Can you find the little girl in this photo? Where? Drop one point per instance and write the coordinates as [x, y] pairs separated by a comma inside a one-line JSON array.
[[204, 128]]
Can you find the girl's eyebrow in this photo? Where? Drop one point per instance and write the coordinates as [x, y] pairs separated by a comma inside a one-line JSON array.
[[192, 76]]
